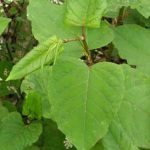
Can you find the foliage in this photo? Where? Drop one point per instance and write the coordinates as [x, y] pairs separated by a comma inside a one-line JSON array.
[[84, 82]]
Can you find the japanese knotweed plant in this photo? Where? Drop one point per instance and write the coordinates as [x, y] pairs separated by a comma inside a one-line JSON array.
[[98, 106]]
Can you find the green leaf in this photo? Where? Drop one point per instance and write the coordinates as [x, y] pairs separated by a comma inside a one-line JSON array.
[[114, 6], [117, 139], [135, 17], [51, 138], [99, 37], [131, 128], [37, 84], [144, 8], [98, 146], [85, 12], [43, 54], [134, 112], [3, 112], [90, 98], [32, 106], [49, 21], [73, 49], [3, 24], [14, 135], [9, 105], [132, 42], [32, 148]]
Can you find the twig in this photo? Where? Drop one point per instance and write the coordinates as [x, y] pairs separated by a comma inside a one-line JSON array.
[[85, 45], [73, 40]]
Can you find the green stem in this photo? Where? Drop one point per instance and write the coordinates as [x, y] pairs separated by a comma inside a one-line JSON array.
[[121, 15], [86, 48], [73, 40]]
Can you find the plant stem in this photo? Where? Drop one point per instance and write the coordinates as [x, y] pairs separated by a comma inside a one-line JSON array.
[[9, 52], [73, 40], [7, 44], [86, 48], [121, 16]]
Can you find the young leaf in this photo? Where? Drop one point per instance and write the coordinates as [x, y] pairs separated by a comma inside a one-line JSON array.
[[85, 12], [14, 135], [43, 54], [90, 98], [132, 42], [3, 24], [48, 19]]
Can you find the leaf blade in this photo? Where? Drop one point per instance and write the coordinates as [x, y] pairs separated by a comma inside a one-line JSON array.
[[41, 55], [85, 12], [3, 24], [82, 110]]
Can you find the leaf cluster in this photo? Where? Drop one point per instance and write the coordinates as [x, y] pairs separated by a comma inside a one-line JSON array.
[[87, 82]]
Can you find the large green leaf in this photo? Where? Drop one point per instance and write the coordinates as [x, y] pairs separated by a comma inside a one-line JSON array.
[[48, 19], [85, 100], [134, 112], [36, 86], [43, 54], [132, 42], [14, 135], [3, 24], [85, 12], [47, 25], [131, 128]]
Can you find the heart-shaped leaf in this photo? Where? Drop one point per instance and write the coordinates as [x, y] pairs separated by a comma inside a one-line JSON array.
[[85, 100]]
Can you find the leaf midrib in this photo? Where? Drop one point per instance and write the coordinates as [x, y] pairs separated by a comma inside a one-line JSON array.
[[85, 108]]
